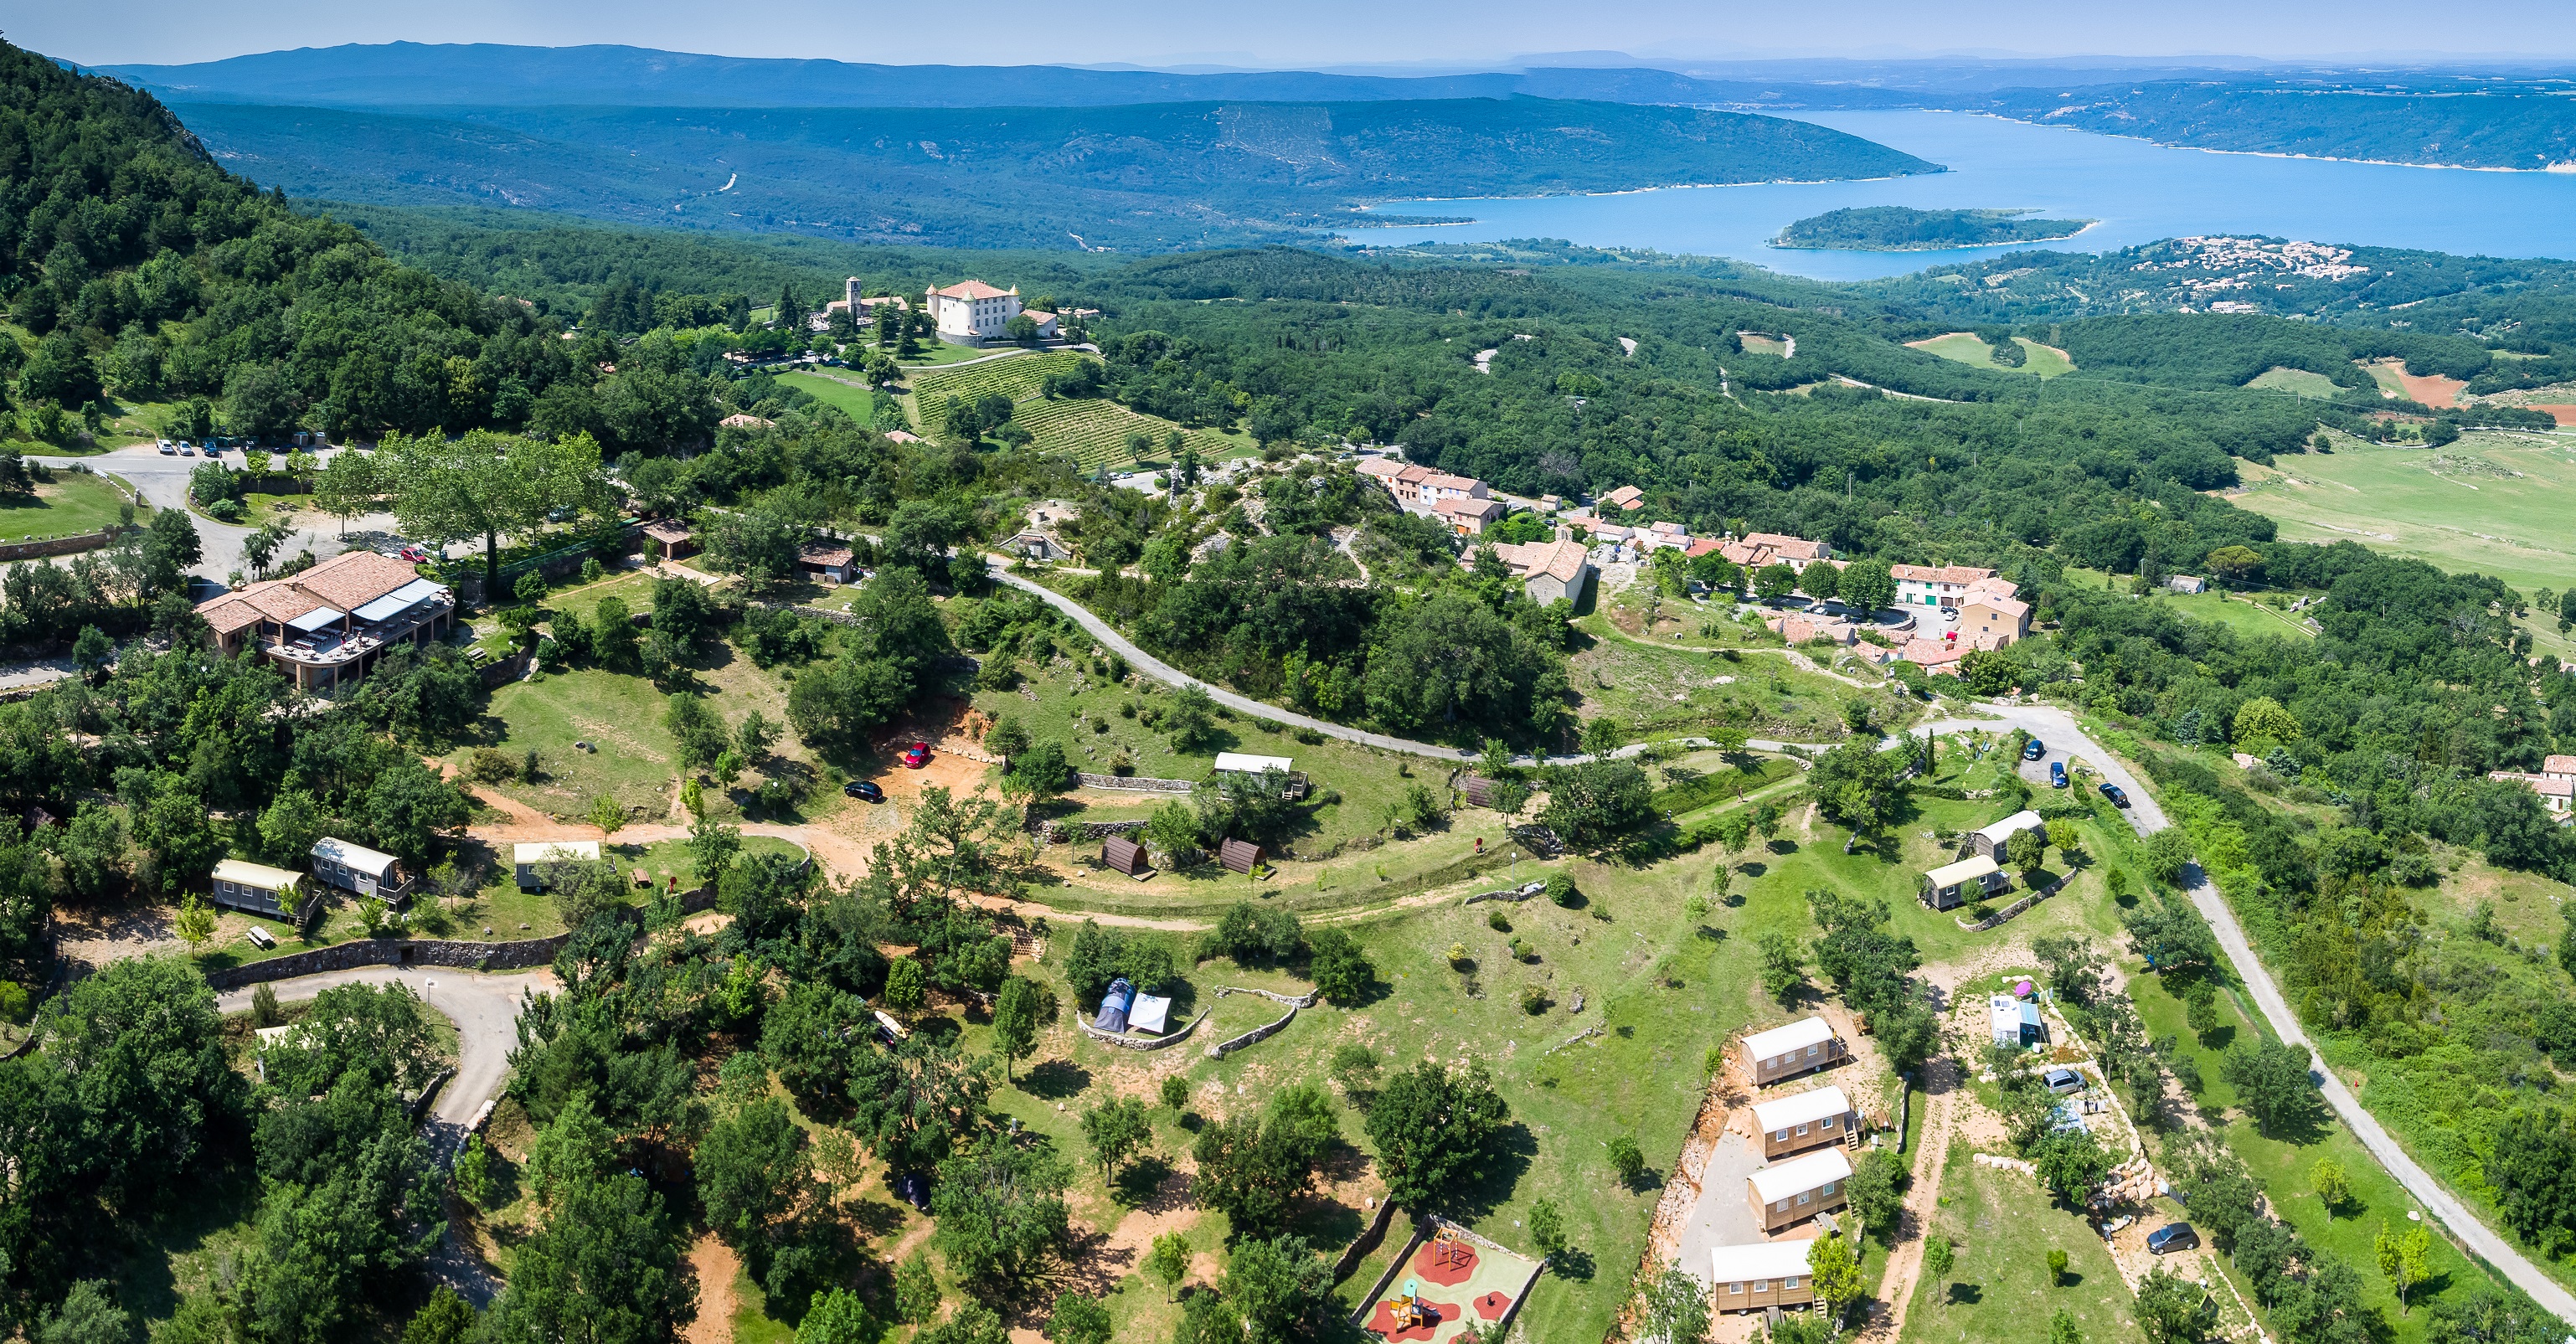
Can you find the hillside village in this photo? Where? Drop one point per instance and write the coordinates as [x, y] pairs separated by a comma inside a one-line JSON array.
[[925, 811]]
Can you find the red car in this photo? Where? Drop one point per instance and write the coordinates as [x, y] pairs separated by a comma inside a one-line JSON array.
[[916, 756]]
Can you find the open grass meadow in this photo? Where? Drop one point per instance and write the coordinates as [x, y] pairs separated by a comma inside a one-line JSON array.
[[2296, 382], [73, 502], [859, 402], [1966, 347], [2255, 614], [2001, 1227], [2495, 502], [1657, 691]]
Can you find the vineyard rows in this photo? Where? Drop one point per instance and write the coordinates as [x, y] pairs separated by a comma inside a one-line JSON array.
[[1018, 378]]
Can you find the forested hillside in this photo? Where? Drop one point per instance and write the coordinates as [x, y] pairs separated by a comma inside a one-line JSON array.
[[2469, 123], [1139, 178]]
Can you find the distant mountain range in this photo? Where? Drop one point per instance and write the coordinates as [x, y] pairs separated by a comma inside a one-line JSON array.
[[1045, 155], [411, 74], [1149, 177]]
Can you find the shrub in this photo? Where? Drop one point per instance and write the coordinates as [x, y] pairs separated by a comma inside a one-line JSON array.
[[1627, 1161], [1533, 1000], [491, 767], [1560, 889]]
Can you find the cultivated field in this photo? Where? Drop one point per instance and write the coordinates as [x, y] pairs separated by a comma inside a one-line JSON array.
[[1966, 347], [2431, 389], [2495, 502], [1095, 430], [1017, 377]]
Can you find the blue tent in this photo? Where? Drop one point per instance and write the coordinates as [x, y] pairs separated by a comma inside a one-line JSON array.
[[1113, 1006]]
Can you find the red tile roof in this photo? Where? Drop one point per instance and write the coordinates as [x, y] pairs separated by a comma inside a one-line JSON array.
[[972, 289]]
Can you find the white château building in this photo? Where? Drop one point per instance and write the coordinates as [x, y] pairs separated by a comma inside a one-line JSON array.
[[973, 312]]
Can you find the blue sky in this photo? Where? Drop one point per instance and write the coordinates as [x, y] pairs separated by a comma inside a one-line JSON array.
[[1306, 33]]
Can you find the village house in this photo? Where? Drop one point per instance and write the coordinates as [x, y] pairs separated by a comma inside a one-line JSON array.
[[1943, 586], [1625, 498], [1990, 617], [2555, 783], [1549, 570], [1658, 536], [1762, 1275], [669, 538], [1469, 517], [1954, 884], [329, 625], [1799, 629], [1798, 1189], [972, 312], [1786, 1052], [830, 561], [1760, 550], [1807, 1120]]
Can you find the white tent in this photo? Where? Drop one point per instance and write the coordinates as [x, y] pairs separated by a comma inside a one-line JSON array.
[[1151, 1013]]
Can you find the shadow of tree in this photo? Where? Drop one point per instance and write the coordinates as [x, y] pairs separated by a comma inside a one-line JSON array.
[[1965, 1295], [1055, 1079]]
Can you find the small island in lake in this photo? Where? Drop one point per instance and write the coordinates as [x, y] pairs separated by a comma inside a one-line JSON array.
[[1901, 228]]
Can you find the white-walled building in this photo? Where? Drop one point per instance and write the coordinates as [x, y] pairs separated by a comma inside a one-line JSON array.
[[1944, 586], [973, 312]]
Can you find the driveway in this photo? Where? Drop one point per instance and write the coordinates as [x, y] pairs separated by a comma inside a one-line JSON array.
[[485, 1009], [2057, 729], [163, 483]]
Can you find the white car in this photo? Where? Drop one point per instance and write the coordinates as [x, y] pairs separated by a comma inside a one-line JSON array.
[[167, 448]]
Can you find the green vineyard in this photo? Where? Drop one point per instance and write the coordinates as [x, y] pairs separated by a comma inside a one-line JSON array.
[[1095, 431], [1017, 378]]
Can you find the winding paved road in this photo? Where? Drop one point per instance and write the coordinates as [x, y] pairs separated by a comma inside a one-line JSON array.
[[2057, 729], [485, 1009]]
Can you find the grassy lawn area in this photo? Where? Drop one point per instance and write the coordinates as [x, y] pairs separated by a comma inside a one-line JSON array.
[[860, 402], [2256, 614], [1669, 692], [2297, 382], [2495, 502], [73, 502], [636, 762], [1966, 347], [2001, 1227]]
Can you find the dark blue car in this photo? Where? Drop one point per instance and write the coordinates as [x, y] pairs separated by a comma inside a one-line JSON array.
[[2119, 797], [2034, 750], [2057, 774]]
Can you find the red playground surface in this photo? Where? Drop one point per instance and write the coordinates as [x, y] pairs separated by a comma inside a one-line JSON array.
[[1382, 1321], [1491, 1306], [1446, 1263]]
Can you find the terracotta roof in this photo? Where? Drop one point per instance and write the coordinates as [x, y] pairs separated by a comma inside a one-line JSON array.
[[1379, 467], [1669, 529], [667, 529], [1445, 482], [229, 613], [352, 579], [1625, 496], [1960, 574], [972, 289], [1931, 652], [1469, 508], [2559, 765], [823, 553], [1702, 547], [1415, 473], [1993, 587], [278, 599], [2004, 606], [1794, 548], [1561, 560]]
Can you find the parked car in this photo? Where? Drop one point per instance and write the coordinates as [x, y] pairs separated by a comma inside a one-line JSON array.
[[864, 790], [2119, 796], [187, 450], [168, 449], [2034, 750], [2062, 1081], [916, 756], [2172, 1237], [415, 554], [2057, 774]]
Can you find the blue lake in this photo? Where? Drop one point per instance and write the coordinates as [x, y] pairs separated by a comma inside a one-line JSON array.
[[2140, 192]]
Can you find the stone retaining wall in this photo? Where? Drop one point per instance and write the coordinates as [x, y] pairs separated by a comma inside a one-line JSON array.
[[1253, 1037], [1132, 784], [1127, 1042], [1305, 1000], [1377, 1293], [2016, 907], [1062, 832], [1368, 1241], [511, 956], [66, 545], [1515, 895]]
